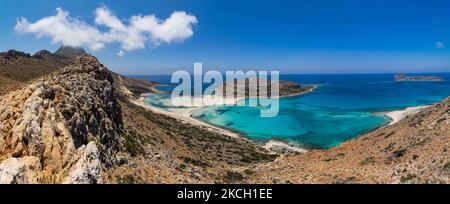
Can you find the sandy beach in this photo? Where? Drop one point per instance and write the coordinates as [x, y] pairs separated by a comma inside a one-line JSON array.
[[184, 115], [282, 147], [397, 115]]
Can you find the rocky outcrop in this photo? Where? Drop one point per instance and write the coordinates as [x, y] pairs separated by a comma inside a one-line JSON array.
[[69, 121], [42, 54], [70, 52], [20, 170], [14, 54], [88, 167]]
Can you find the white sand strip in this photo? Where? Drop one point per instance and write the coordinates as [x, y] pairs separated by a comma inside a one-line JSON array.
[[277, 146], [184, 116], [397, 115]]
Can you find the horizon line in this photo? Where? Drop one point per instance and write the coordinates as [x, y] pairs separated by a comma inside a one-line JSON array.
[[349, 73]]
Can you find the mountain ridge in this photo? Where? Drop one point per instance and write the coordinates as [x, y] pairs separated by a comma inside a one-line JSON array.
[[70, 51], [18, 67]]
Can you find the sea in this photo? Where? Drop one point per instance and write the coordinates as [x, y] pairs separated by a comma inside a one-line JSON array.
[[344, 106]]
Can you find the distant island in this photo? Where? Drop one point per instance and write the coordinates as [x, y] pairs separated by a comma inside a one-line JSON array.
[[402, 77]]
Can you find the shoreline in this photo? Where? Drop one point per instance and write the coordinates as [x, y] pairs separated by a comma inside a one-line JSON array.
[[314, 87], [398, 115], [183, 116], [273, 145]]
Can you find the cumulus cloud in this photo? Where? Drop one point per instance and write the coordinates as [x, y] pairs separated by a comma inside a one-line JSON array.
[[63, 29], [132, 34], [440, 45]]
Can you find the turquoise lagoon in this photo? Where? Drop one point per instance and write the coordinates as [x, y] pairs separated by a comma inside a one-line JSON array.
[[341, 108]]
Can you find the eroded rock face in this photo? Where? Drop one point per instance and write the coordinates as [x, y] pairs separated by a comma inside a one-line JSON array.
[[19, 170], [69, 121], [88, 167]]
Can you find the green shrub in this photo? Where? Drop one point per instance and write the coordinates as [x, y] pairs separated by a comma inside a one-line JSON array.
[[128, 179], [232, 177], [368, 160], [407, 178]]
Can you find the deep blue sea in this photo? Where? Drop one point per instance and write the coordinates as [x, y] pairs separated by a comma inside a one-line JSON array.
[[342, 107]]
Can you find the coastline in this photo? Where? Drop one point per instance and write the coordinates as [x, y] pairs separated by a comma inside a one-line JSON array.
[[183, 116], [398, 115], [282, 147], [314, 87], [273, 146]]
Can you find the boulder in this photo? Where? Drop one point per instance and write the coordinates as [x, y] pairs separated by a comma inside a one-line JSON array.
[[20, 170]]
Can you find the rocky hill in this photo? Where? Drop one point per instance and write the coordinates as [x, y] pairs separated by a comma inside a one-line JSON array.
[[414, 150], [63, 127], [70, 52], [77, 125], [17, 67]]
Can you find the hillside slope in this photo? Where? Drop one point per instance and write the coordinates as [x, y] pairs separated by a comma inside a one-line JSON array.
[[77, 125], [63, 127], [18, 67], [414, 150]]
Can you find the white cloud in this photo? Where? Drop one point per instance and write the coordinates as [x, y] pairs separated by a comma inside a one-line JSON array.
[[440, 45], [63, 29], [132, 34]]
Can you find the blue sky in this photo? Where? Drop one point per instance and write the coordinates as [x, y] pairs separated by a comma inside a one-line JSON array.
[[321, 36]]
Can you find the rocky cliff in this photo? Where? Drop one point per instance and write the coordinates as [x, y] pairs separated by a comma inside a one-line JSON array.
[[78, 125], [62, 128]]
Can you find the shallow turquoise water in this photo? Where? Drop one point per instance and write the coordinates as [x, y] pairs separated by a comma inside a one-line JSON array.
[[343, 107], [311, 126]]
